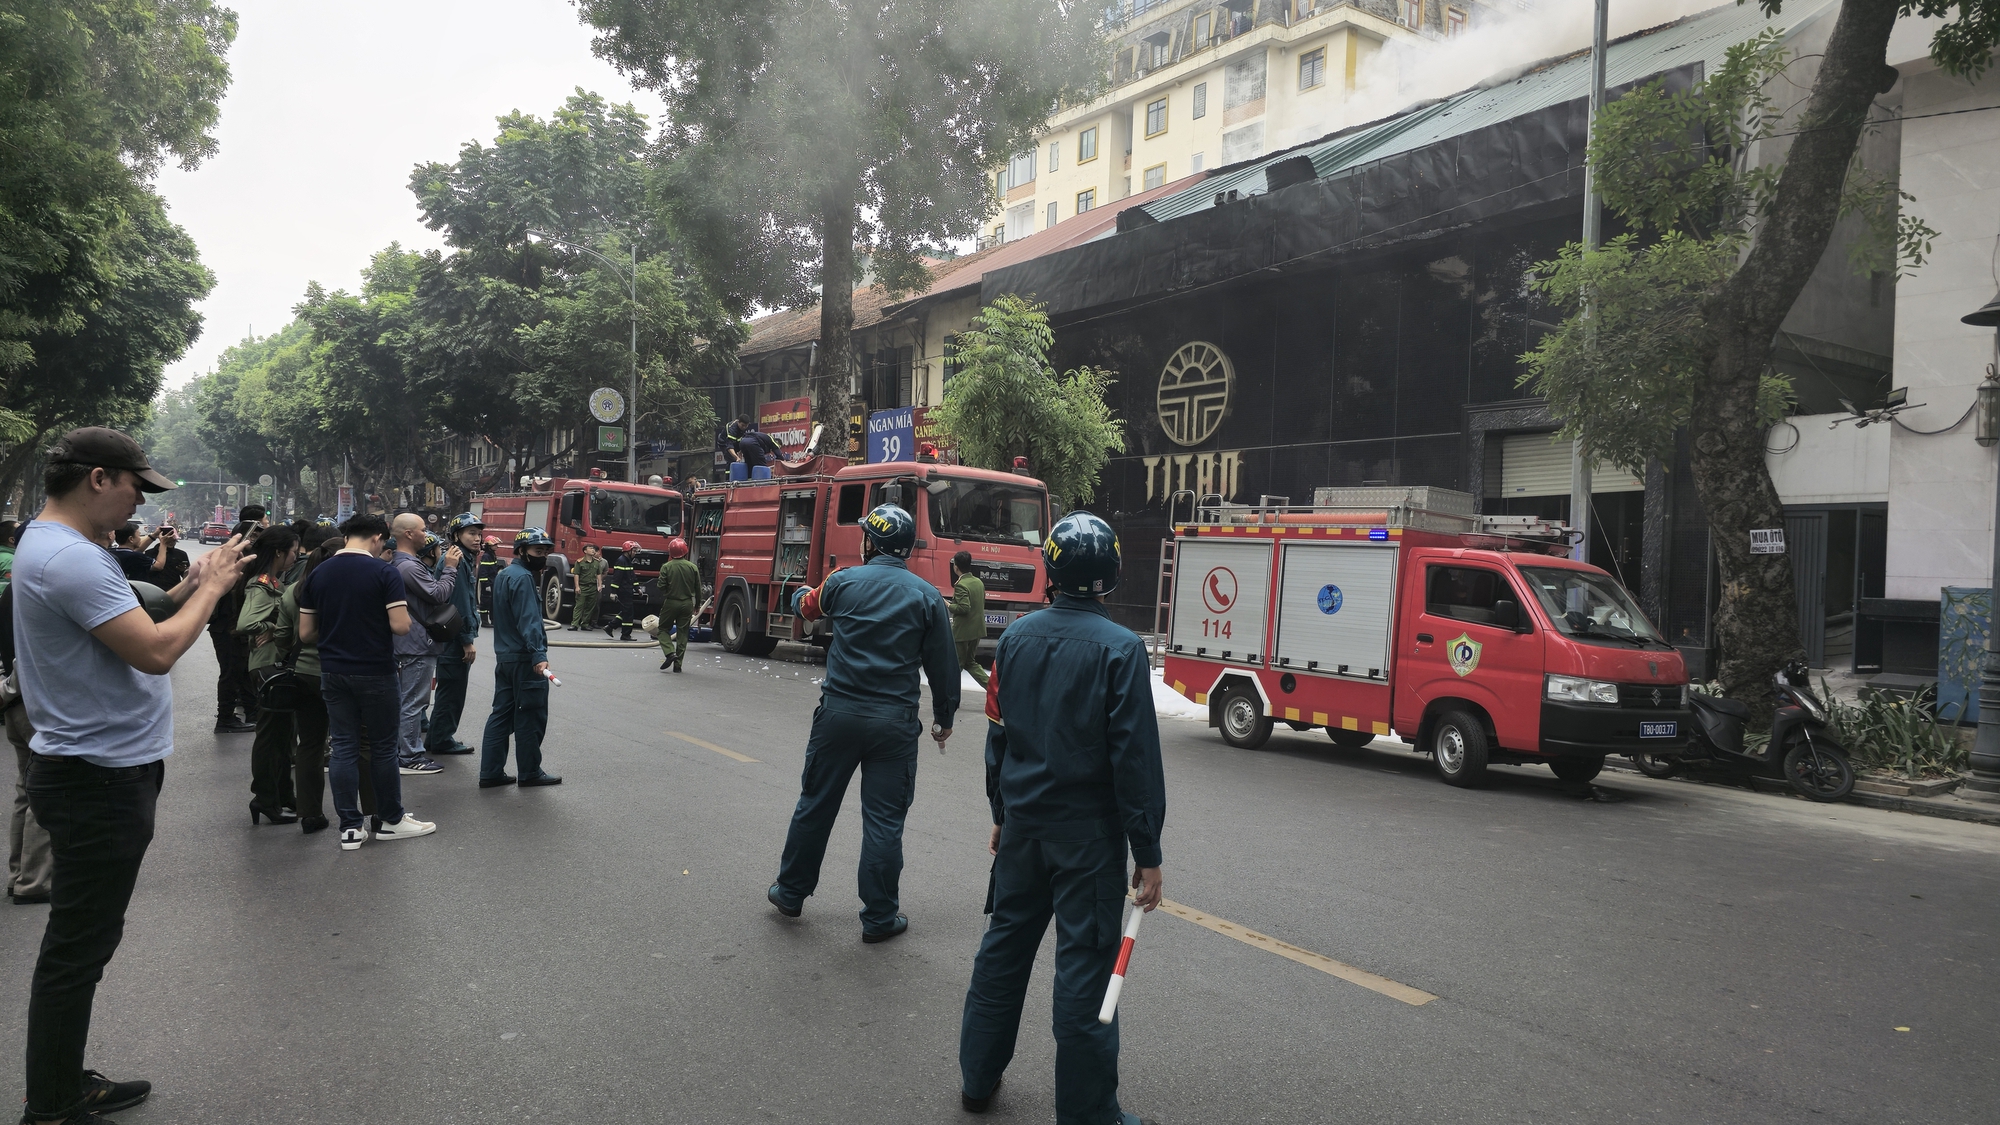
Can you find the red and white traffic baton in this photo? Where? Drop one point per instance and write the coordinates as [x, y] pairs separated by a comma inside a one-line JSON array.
[[1117, 984], [550, 675]]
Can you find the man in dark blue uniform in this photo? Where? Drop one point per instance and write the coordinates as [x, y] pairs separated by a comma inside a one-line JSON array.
[[1073, 774], [886, 623]]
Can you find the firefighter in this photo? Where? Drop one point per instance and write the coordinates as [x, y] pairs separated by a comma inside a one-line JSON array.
[[520, 667], [887, 623], [680, 589], [623, 586], [589, 575], [489, 565], [968, 614], [1073, 774]]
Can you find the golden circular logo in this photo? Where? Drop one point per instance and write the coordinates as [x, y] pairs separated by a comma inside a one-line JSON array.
[[1194, 392]]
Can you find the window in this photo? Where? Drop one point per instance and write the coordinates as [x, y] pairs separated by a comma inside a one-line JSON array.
[[1020, 221], [1052, 215], [851, 497], [1055, 154], [1454, 21], [1086, 145], [631, 512], [1194, 163], [1413, 13], [1465, 593], [1586, 604], [1312, 69], [1155, 176], [1021, 170], [1200, 100], [988, 512], [1156, 117], [1085, 200], [951, 363], [1000, 182], [1204, 30]]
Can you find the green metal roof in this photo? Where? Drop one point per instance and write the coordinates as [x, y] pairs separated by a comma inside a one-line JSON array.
[[1703, 38]]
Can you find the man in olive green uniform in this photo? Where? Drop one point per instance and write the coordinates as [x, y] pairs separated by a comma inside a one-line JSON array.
[[680, 589], [589, 573], [968, 614]]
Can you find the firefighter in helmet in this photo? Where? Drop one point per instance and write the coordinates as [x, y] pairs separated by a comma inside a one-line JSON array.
[[520, 669], [887, 623], [622, 583], [1075, 782], [489, 565], [454, 665], [680, 589]]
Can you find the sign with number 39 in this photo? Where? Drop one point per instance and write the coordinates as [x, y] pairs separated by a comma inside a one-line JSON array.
[[892, 435]]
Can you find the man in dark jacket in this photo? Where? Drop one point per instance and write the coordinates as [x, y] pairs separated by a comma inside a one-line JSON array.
[[489, 565], [520, 668], [887, 623], [1073, 775], [622, 583], [454, 663], [416, 652], [233, 686]]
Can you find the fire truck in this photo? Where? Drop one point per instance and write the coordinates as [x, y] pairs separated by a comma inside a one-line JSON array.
[[1472, 637], [757, 541], [578, 512]]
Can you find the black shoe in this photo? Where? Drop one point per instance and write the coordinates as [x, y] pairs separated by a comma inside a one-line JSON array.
[[610, 629], [895, 930], [102, 1095], [454, 748], [787, 911], [496, 782], [677, 664], [312, 824], [978, 1105], [275, 816], [233, 726], [541, 779], [666, 664], [624, 636], [30, 900]]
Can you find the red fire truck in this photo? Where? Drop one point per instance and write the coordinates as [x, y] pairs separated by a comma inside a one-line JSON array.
[[1381, 609], [577, 512], [758, 541]]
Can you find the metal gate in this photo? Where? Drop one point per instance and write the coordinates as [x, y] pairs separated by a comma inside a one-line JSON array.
[[1805, 541]]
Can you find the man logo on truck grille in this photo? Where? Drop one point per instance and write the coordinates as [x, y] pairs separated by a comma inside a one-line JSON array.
[[1463, 652], [1194, 393]]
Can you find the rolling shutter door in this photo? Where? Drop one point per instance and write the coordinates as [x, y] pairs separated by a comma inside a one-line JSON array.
[[1532, 465]]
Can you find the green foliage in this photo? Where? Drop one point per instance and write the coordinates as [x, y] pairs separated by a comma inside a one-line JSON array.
[[789, 118], [1006, 402], [1888, 731]]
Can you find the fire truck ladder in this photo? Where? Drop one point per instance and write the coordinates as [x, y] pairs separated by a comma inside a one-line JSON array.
[[1163, 598]]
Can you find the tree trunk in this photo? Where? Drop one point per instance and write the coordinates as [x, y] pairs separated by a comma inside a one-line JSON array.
[[831, 380], [1757, 623], [16, 462]]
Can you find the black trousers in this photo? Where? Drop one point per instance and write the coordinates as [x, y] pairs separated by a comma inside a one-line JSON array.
[[100, 822], [233, 686]]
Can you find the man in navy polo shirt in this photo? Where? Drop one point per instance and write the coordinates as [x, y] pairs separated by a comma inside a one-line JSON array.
[[353, 606]]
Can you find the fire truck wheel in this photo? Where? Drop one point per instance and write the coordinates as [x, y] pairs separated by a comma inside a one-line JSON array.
[[1349, 739], [1458, 744], [1244, 724], [1576, 769], [732, 628], [552, 598]]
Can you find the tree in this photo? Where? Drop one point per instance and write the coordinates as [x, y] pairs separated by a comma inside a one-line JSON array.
[[1685, 325], [797, 127], [1007, 402]]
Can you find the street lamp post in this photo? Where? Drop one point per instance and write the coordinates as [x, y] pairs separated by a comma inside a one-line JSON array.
[[1593, 223], [632, 393], [1983, 783]]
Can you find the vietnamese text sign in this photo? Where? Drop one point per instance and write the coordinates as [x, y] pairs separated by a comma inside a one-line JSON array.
[[892, 435], [788, 422], [927, 430], [1767, 541], [611, 439]]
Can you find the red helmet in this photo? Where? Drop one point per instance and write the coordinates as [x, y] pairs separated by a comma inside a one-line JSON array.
[[493, 540], [631, 544], [677, 548]]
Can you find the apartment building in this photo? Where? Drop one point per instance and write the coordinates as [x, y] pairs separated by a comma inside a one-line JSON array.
[[1201, 84]]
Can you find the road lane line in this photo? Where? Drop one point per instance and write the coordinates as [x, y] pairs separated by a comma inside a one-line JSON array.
[[1415, 997], [724, 751]]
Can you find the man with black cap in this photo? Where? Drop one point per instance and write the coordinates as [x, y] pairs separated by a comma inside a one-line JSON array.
[[93, 667]]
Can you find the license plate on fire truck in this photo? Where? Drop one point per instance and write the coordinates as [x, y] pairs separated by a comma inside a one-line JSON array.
[[998, 620], [1660, 730]]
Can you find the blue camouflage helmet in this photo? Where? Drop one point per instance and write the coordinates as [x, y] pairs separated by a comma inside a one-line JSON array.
[[431, 544], [892, 530], [531, 537], [1082, 555], [460, 522]]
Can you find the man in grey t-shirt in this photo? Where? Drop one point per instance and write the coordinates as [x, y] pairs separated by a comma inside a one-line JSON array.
[[93, 668]]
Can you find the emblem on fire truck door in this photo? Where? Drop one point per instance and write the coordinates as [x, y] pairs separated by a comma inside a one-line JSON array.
[[1194, 392], [1463, 652]]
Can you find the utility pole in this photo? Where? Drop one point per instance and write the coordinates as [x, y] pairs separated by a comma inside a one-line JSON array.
[[1593, 236]]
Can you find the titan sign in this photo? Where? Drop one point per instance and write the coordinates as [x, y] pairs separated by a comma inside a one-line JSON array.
[[1193, 401]]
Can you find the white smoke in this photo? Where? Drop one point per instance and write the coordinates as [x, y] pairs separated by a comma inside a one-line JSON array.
[[1402, 74]]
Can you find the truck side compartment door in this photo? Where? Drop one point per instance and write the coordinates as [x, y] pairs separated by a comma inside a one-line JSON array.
[[1450, 645], [1222, 599], [842, 546]]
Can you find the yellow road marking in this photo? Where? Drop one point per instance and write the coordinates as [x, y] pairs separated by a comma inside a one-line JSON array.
[[724, 751], [1415, 997]]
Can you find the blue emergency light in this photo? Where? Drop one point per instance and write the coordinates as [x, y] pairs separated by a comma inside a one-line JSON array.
[[1378, 533]]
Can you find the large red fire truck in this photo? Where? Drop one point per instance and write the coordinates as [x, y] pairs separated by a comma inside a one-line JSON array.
[[577, 512], [757, 541], [1381, 609]]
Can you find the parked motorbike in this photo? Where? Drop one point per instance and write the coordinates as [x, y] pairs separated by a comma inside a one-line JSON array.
[[1800, 752]]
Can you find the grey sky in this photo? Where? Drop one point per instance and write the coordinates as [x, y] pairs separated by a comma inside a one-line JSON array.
[[330, 106]]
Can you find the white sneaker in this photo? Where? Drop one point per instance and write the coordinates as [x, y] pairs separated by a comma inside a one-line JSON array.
[[405, 828], [352, 838]]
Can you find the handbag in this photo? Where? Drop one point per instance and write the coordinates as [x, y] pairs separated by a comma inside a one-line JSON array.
[[444, 622], [282, 688]]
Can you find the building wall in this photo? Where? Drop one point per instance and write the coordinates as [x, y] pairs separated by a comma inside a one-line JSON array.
[[1812, 462], [1941, 487]]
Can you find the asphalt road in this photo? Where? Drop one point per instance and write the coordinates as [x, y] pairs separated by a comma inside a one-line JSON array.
[[601, 951]]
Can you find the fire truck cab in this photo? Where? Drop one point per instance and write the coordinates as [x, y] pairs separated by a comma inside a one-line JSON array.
[[577, 513], [758, 541], [1380, 609]]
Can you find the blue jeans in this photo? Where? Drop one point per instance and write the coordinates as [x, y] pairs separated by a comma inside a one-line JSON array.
[[448, 705], [520, 709], [413, 689], [1081, 884], [361, 717], [886, 751]]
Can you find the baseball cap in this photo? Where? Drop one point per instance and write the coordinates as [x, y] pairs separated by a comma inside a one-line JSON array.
[[107, 449]]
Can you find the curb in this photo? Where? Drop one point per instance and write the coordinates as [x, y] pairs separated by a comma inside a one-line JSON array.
[[1944, 808], [604, 644]]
